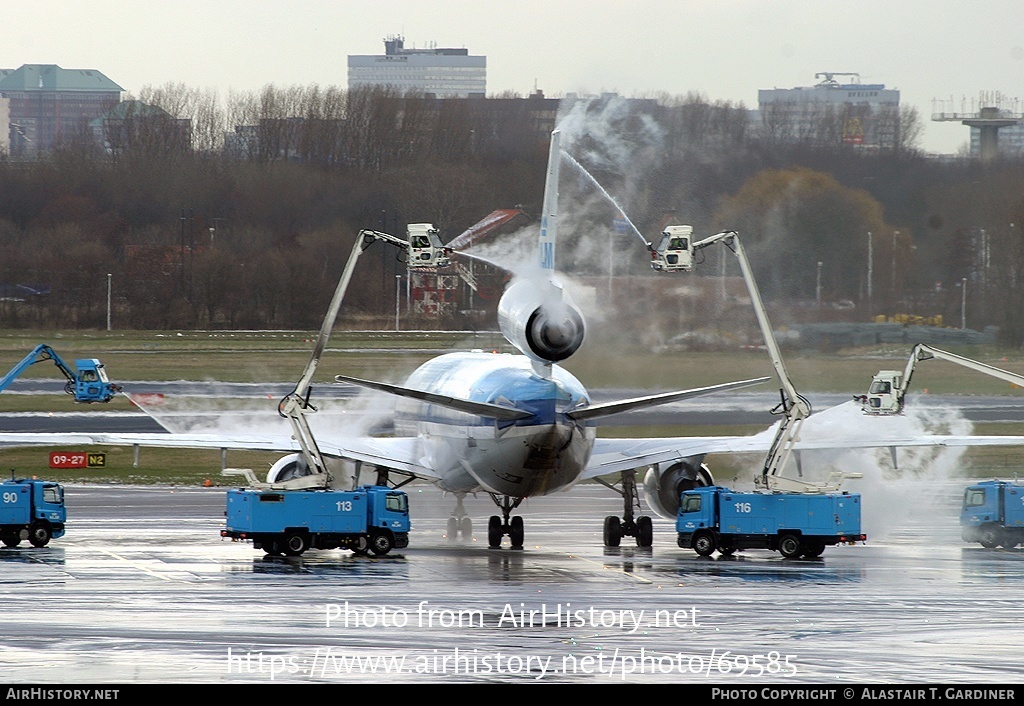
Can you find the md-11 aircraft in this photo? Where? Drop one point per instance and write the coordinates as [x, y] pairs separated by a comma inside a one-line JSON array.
[[513, 426]]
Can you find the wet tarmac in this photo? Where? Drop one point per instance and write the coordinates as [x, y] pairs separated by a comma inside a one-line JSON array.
[[142, 589]]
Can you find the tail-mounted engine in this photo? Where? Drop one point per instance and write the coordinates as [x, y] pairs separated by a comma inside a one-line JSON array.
[[663, 488], [541, 321]]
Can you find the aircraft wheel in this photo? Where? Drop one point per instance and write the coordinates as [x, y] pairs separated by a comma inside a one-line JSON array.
[[612, 531], [39, 535], [466, 527], [516, 532], [494, 533], [296, 543], [453, 529], [644, 531], [790, 546], [381, 544], [704, 543]]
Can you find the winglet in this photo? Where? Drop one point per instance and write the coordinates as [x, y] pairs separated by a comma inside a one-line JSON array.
[[549, 217]]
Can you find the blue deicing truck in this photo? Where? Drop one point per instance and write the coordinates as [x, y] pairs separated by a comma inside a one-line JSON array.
[[371, 518], [993, 514], [88, 383], [795, 524], [31, 509]]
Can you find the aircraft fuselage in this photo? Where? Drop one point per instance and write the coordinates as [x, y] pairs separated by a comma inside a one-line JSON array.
[[537, 455]]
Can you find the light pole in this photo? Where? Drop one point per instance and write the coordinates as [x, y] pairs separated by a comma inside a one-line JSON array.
[[398, 298], [963, 303], [817, 288], [108, 301], [895, 234], [870, 274]]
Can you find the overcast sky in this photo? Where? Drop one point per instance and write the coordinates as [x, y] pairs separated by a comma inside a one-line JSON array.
[[723, 49]]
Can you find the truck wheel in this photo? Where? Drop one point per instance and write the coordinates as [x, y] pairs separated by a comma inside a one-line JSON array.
[[273, 548], [361, 547], [727, 551], [380, 544], [1007, 539], [612, 531], [814, 549], [644, 531], [39, 535], [10, 540], [296, 543], [989, 537], [704, 543], [790, 546]]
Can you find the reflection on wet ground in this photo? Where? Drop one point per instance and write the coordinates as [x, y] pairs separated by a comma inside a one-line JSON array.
[[143, 589]]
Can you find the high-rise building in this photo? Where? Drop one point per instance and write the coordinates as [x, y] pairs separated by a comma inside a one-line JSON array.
[[831, 113], [444, 73], [49, 105]]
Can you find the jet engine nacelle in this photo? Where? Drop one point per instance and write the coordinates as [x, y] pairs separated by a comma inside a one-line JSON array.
[[541, 321], [663, 488], [288, 467]]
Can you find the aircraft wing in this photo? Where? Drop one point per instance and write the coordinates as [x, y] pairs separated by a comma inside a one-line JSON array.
[[614, 455], [398, 453]]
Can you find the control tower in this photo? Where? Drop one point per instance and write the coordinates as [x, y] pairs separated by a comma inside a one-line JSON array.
[[992, 112]]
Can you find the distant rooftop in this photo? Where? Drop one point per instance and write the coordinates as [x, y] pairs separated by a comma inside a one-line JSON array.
[[395, 45], [50, 77]]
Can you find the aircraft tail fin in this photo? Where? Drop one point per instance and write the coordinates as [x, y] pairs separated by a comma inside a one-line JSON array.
[[549, 217]]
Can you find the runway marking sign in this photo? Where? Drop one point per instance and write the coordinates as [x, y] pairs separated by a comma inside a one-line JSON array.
[[77, 459]]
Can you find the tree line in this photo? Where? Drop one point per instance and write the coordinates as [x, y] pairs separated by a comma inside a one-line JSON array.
[[248, 224]]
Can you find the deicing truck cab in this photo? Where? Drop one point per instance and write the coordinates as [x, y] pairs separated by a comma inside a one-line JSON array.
[[993, 514], [31, 509], [795, 524]]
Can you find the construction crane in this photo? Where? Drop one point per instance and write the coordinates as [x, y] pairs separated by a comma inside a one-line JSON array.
[[887, 394]]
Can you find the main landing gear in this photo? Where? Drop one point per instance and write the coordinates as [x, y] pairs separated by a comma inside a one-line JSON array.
[[641, 528], [498, 528], [460, 521]]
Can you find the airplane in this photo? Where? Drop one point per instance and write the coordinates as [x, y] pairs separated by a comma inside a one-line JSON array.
[[513, 426]]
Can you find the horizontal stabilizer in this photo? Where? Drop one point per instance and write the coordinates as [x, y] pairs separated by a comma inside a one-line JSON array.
[[483, 409], [608, 408]]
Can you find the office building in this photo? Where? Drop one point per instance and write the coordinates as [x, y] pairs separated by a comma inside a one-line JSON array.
[[444, 73], [831, 113], [49, 106]]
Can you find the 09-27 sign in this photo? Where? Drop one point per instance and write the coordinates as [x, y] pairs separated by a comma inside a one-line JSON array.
[[77, 459]]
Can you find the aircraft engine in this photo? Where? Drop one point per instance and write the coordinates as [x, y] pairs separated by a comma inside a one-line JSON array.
[[541, 321], [663, 488], [288, 467]]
